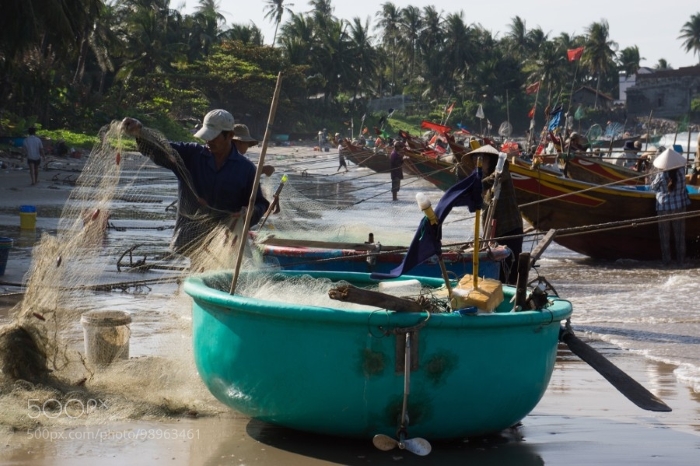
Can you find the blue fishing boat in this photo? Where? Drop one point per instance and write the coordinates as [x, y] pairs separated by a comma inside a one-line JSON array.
[[291, 254], [341, 371]]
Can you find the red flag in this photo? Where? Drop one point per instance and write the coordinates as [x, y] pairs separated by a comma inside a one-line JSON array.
[[532, 88], [449, 109], [531, 113], [435, 127], [574, 54]]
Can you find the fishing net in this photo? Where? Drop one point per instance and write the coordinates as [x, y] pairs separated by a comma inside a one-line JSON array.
[[112, 250]]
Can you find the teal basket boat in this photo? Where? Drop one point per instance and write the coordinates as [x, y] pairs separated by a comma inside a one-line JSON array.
[[341, 372]]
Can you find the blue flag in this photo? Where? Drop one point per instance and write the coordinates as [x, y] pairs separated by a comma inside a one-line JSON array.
[[427, 240], [554, 119]]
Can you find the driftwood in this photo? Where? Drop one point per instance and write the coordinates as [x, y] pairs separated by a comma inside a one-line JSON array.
[[352, 294]]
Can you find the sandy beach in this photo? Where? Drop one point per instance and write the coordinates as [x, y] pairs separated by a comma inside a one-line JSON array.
[[581, 419]]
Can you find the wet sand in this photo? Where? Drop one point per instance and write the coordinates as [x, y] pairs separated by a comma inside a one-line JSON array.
[[581, 420]]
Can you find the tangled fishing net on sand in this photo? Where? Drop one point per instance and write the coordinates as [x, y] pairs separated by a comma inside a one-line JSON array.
[[41, 347]]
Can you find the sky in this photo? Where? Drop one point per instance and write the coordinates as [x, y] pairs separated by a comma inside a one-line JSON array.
[[654, 27]]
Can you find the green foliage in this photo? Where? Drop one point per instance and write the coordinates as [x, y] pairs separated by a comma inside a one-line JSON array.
[[72, 139]]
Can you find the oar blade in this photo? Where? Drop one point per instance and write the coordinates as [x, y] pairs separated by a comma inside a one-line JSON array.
[[625, 384]]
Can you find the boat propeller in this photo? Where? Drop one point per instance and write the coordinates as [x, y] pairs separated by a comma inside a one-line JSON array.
[[418, 446]]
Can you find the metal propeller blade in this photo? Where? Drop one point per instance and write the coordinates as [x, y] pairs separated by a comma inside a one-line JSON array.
[[418, 446], [384, 442]]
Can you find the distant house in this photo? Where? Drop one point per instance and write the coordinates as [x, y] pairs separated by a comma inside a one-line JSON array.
[[627, 81], [586, 97], [664, 93]]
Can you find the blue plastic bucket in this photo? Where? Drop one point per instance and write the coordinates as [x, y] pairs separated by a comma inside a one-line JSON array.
[[5, 246], [27, 217]]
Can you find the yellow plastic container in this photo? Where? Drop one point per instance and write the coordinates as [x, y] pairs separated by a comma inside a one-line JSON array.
[[27, 217]]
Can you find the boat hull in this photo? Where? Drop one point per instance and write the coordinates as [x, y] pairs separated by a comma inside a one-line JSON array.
[[351, 260], [336, 371], [379, 162], [596, 171], [613, 223]]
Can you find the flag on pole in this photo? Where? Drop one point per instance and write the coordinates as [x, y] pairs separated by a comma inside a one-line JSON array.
[[574, 54], [554, 118], [531, 113], [480, 112], [449, 109], [532, 88], [435, 127], [427, 240]]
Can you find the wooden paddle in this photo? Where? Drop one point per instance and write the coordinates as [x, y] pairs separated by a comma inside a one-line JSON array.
[[625, 384]]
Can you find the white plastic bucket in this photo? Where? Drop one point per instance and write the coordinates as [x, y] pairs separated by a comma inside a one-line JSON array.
[[106, 336]]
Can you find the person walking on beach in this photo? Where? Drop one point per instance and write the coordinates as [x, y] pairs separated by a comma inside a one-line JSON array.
[[341, 157], [671, 198], [506, 213], [396, 164], [215, 181], [34, 150]]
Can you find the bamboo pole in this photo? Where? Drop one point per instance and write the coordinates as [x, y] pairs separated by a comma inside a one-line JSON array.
[[258, 172]]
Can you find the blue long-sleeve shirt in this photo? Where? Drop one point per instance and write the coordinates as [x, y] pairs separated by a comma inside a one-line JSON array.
[[225, 190]]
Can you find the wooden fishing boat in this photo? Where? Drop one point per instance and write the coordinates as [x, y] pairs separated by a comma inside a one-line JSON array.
[[597, 171], [364, 157], [293, 254], [578, 211], [438, 171], [337, 370]]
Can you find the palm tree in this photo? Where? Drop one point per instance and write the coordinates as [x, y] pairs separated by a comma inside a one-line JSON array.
[[629, 59], [389, 18], [275, 10], [411, 26], [364, 55], [663, 65], [518, 37], [600, 52], [691, 33], [297, 38]]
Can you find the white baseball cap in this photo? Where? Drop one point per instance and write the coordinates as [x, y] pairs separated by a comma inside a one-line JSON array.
[[215, 122]]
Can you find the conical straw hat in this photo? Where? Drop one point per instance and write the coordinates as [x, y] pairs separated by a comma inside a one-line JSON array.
[[485, 149], [669, 159]]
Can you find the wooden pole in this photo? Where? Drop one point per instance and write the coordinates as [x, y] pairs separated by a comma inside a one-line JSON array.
[[475, 254], [258, 171]]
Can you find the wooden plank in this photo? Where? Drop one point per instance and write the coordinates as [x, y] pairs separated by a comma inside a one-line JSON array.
[[541, 246], [352, 294]]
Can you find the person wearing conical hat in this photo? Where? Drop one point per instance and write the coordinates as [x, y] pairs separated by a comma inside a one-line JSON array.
[[671, 198]]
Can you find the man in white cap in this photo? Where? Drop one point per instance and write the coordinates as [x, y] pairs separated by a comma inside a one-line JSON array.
[[214, 180], [671, 198]]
